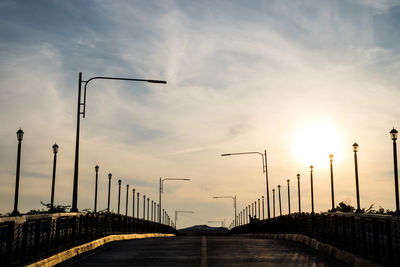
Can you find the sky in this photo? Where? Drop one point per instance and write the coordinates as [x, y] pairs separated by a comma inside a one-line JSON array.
[[300, 79]]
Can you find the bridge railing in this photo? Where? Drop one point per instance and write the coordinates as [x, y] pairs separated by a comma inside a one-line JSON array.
[[375, 237], [26, 238]]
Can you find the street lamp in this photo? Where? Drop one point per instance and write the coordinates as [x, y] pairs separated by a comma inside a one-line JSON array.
[[161, 191], [288, 193], [148, 208], [20, 135], [298, 190], [96, 168], [127, 197], [332, 190], [82, 112], [263, 209], [144, 207], [273, 201], [55, 151], [109, 192], [133, 202], [393, 134], [234, 204], [152, 206], [355, 150], [312, 189], [280, 203], [119, 194], [265, 170], [180, 211], [137, 205]]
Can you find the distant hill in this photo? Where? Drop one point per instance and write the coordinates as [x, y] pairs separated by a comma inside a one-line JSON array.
[[203, 230]]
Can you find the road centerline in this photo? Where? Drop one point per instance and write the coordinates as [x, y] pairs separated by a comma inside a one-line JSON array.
[[203, 262]]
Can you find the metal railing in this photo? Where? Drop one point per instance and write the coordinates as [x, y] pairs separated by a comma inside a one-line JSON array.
[[24, 239], [374, 237]]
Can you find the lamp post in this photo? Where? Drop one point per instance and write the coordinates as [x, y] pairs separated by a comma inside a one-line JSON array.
[[355, 150], [273, 201], [144, 207], [109, 192], [393, 134], [312, 189], [133, 202], [162, 189], [148, 208], [265, 170], [20, 135], [263, 207], [53, 182], [259, 212], [234, 205], [82, 112], [280, 203], [288, 193], [119, 194], [180, 211], [298, 191], [127, 198], [152, 206], [96, 168], [137, 212], [332, 188], [247, 215]]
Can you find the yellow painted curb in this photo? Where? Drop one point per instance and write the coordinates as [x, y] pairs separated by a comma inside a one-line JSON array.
[[65, 255]]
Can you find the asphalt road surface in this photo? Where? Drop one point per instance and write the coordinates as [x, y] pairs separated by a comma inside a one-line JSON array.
[[204, 252]]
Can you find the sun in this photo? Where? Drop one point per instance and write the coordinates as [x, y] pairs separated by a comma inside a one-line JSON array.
[[313, 143]]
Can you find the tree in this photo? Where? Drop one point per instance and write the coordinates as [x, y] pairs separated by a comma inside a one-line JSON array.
[[345, 207]]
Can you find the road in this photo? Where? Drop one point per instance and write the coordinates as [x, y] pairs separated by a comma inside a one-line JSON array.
[[203, 251]]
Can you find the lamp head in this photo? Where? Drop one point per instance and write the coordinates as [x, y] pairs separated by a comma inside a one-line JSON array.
[[393, 134], [20, 134], [109, 176], [298, 176], [288, 181], [355, 147], [279, 186], [55, 148], [96, 168], [311, 168], [119, 181], [127, 186], [331, 157]]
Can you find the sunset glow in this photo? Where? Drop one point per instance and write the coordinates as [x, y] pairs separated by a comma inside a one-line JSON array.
[[315, 142]]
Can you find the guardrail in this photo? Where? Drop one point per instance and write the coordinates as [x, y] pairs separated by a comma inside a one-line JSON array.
[[26, 238], [374, 237]]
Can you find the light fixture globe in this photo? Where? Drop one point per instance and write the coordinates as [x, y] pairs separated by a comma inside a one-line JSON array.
[[96, 168], [393, 134], [119, 181], [20, 134], [55, 148], [355, 147], [109, 176], [331, 156], [311, 167], [298, 176], [288, 181]]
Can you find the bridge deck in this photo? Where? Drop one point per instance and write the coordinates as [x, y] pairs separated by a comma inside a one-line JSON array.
[[198, 251]]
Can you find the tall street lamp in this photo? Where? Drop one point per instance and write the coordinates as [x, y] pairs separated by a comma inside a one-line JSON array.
[[96, 168], [148, 208], [119, 194], [263, 207], [127, 198], [393, 134], [109, 192], [273, 201], [133, 202], [234, 205], [332, 188], [180, 211], [162, 189], [20, 135], [288, 193], [355, 150], [280, 203], [137, 205], [298, 190], [144, 207], [82, 112], [312, 189], [265, 170], [53, 182], [152, 206]]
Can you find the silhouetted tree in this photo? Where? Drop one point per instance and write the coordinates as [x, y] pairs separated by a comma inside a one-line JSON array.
[[345, 207]]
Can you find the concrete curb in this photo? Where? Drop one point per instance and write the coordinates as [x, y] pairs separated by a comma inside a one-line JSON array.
[[334, 252], [67, 254]]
